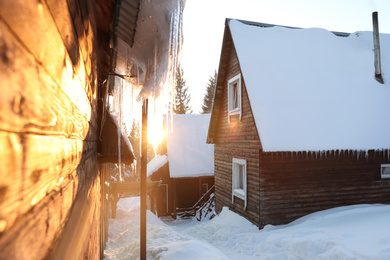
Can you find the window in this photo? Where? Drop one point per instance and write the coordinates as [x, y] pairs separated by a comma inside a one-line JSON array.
[[234, 96], [385, 171], [239, 179]]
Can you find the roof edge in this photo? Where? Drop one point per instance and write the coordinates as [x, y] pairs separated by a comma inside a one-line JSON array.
[[268, 25]]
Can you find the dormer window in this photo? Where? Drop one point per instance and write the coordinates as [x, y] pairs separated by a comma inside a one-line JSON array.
[[234, 96]]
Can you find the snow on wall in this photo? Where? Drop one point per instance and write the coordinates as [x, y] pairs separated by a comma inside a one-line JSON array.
[[188, 153], [311, 90]]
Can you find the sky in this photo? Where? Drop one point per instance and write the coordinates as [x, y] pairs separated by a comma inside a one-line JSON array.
[[203, 25]]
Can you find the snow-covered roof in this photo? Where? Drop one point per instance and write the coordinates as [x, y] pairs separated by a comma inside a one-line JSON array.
[[311, 90], [156, 163], [188, 153]]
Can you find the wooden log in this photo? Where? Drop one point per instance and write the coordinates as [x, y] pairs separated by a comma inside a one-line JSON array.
[[75, 238], [33, 103], [42, 164], [52, 56], [32, 235]]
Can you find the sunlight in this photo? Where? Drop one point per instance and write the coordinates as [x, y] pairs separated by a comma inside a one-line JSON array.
[[155, 120], [155, 136]]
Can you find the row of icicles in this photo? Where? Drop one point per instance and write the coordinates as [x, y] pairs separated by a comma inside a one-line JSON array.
[[335, 154]]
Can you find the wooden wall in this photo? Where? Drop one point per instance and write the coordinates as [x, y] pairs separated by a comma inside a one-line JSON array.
[[49, 182], [284, 186], [189, 190], [237, 139], [295, 184]]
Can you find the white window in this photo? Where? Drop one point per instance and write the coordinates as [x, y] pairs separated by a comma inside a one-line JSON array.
[[239, 179], [234, 96], [385, 171]]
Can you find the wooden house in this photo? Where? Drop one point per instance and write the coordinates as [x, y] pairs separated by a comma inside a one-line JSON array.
[[58, 62], [299, 122], [186, 170]]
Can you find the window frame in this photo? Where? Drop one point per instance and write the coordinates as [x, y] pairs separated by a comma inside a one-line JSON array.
[[237, 110], [237, 192], [385, 176]]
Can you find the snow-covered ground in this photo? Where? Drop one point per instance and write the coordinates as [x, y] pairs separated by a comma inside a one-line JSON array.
[[352, 232]]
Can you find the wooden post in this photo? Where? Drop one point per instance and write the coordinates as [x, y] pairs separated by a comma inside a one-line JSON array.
[[144, 145], [174, 198]]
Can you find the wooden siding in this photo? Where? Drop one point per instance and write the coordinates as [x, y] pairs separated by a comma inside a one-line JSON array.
[[49, 183], [184, 192], [282, 187], [237, 139], [295, 184]]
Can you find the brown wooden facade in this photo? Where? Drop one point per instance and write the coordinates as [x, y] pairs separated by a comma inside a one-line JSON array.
[[179, 193], [54, 57], [283, 186]]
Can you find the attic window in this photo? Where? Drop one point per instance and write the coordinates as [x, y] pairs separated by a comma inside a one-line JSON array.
[[385, 171], [234, 96], [239, 179]]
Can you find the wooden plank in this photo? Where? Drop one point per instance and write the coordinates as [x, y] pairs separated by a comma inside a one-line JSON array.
[[33, 103], [60, 13], [132, 187], [44, 163], [80, 236], [10, 183], [32, 235], [52, 55]]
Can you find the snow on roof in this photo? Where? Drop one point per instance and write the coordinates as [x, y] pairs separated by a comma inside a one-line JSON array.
[[188, 153], [311, 90], [156, 163]]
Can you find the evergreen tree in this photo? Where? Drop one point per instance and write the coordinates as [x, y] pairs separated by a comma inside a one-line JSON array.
[[182, 97], [208, 98]]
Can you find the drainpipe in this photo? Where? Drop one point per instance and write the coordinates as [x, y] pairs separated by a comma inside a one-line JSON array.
[[377, 50]]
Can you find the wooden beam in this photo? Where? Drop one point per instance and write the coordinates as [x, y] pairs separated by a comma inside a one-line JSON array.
[[132, 187], [144, 145]]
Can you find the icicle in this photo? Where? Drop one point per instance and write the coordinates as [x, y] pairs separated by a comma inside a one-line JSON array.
[[119, 117], [357, 155], [307, 158]]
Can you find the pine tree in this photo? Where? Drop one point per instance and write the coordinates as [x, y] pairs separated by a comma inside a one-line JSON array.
[[182, 97], [208, 98]]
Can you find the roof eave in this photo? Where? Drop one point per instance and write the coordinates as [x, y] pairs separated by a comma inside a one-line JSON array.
[[225, 50]]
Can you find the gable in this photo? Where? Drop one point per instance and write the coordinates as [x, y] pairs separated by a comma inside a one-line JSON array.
[[311, 90]]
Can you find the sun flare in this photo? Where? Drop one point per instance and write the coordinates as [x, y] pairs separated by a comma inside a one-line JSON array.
[[155, 135]]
